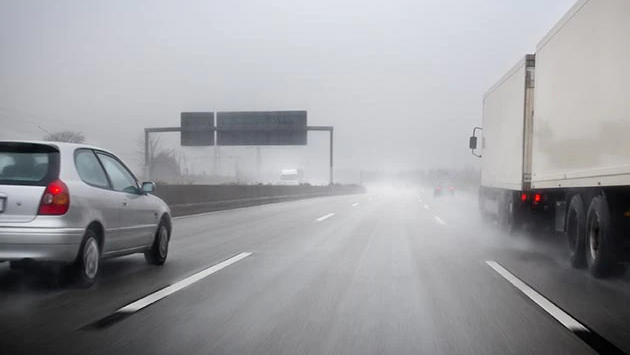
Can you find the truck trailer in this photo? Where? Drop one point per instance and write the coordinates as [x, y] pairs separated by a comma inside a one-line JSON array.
[[555, 137]]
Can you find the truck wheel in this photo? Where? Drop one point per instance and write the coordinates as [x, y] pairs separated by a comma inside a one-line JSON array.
[[601, 247], [480, 202], [485, 216], [509, 213], [501, 215], [576, 232]]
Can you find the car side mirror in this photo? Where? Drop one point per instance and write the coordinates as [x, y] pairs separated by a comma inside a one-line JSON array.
[[472, 143], [148, 187]]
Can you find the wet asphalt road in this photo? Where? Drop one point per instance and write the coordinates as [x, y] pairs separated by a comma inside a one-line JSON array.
[[397, 273]]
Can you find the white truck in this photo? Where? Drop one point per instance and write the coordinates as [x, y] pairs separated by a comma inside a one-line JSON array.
[[555, 141], [291, 177]]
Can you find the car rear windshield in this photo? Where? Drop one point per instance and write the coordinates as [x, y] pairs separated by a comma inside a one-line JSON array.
[[28, 164]]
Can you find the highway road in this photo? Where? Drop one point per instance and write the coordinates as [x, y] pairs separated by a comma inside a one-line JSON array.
[[382, 273]]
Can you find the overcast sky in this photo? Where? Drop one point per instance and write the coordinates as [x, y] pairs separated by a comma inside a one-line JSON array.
[[401, 80]]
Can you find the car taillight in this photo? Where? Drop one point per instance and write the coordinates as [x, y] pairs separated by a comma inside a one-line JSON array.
[[537, 198], [523, 197], [56, 199], [451, 188], [438, 188]]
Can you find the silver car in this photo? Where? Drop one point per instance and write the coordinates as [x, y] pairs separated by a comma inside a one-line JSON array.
[[76, 204]]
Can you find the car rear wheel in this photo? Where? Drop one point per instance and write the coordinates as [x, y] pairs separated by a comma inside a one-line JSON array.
[[159, 250], [87, 265]]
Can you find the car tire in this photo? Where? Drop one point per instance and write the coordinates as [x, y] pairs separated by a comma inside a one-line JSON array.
[[600, 240], [87, 265], [576, 232], [159, 250]]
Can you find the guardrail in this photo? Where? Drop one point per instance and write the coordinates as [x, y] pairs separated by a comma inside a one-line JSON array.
[[191, 199]]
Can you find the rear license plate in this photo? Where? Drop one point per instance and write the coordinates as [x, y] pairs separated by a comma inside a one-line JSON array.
[[2, 203]]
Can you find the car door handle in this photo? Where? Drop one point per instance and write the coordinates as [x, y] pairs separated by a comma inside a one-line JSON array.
[[124, 203]]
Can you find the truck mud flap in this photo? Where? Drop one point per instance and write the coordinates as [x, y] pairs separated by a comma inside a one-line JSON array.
[[561, 213]]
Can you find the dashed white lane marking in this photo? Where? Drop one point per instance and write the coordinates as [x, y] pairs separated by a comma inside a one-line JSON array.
[[426, 206], [561, 316], [439, 220], [371, 199], [355, 204], [325, 217], [421, 200], [156, 296]]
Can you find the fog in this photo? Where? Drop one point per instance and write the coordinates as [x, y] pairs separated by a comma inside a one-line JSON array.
[[401, 81]]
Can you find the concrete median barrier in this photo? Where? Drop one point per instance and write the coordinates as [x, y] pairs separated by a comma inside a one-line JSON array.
[[192, 199]]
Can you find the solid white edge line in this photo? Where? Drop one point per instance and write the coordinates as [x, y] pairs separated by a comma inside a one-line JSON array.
[[325, 217], [355, 204], [169, 290], [439, 220], [561, 316]]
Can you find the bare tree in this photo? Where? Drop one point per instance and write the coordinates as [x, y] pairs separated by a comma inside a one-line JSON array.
[[65, 136], [155, 147], [166, 166], [162, 162]]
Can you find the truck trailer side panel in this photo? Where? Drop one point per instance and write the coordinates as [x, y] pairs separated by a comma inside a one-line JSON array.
[[582, 112], [504, 131]]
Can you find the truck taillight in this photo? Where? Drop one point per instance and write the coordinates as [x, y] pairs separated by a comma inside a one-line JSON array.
[[523, 197], [537, 198], [56, 199]]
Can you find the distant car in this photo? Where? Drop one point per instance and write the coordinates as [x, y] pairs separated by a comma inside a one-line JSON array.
[[75, 205], [443, 189]]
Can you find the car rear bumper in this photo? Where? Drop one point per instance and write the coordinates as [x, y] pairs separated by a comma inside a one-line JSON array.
[[40, 244]]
